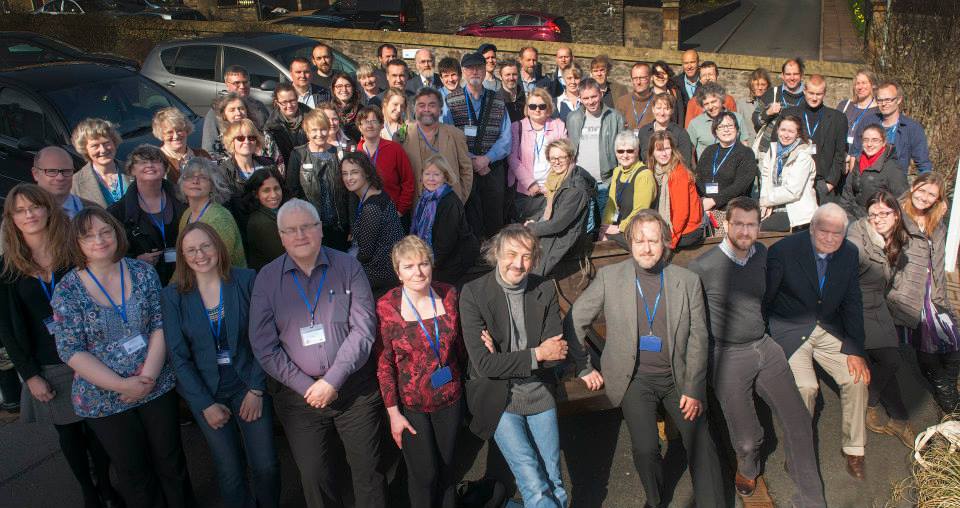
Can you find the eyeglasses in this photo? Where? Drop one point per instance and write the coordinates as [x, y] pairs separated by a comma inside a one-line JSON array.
[[290, 102], [193, 252], [886, 100], [726, 126], [52, 172], [343, 86], [303, 229], [31, 210], [879, 215], [197, 178], [241, 138], [370, 123], [558, 160], [622, 151], [535, 107], [104, 234]]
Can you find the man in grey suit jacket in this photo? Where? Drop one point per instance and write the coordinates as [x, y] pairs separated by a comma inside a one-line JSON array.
[[661, 358]]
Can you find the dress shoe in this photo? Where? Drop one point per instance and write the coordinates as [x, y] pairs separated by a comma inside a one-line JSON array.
[[745, 486], [901, 430], [856, 466], [877, 419]]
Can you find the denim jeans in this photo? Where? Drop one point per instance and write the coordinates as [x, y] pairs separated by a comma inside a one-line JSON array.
[[531, 447], [596, 208], [228, 454]]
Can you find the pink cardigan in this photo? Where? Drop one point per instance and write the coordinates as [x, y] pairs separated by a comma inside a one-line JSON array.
[[521, 159]]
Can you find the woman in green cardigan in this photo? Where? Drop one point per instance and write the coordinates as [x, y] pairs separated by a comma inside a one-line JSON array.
[[262, 196], [203, 187]]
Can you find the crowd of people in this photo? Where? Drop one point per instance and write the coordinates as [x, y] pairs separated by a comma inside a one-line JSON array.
[[374, 257]]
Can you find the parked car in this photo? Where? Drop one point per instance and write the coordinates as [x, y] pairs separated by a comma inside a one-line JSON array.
[[405, 15], [40, 105], [166, 9], [316, 20], [193, 69], [28, 48], [529, 25]]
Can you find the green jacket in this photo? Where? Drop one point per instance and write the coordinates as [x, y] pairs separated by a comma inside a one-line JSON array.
[[220, 219], [611, 123]]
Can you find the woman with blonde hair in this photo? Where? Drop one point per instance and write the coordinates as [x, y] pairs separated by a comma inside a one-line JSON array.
[[527, 165], [368, 85], [243, 141], [231, 109], [394, 108], [172, 128], [569, 100], [101, 180], [862, 104], [677, 199]]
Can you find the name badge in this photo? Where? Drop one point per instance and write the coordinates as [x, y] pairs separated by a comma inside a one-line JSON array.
[[170, 255], [133, 344], [51, 325], [813, 149], [849, 140], [312, 335], [712, 188], [223, 357], [636, 133], [308, 166], [470, 131], [441, 377], [650, 343]]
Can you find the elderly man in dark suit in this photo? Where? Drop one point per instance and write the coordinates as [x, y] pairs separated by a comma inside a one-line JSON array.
[[655, 352], [815, 313]]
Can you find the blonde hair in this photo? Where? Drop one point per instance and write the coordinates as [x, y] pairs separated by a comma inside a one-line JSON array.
[[409, 246], [542, 94], [92, 128], [563, 144], [937, 211], [236, 129], [170, 117], [316, 117], [364, 70], [441, 163]]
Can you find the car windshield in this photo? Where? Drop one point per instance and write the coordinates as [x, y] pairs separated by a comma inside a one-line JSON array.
[[128, 102], [305, 50], [97, 5]]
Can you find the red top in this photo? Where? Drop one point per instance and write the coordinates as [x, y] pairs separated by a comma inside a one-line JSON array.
[[394, 169], [405, 359], [866, 161], [686, 210]]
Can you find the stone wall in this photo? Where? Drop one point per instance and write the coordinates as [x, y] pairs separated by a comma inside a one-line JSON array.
[[642, 27]]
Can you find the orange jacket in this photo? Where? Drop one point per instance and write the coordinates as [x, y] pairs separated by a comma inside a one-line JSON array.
[[686, 211]]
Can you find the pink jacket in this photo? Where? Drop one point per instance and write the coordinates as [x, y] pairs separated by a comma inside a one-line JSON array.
[[520, 161]]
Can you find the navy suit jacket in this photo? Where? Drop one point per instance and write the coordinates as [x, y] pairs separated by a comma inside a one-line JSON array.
[[190, 343], [793, 303]]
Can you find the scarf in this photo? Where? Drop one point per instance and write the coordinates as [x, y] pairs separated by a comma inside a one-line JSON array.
[[783, 152], [294, 125], [554, 182], [866, 161], [662, 175], [426, 213]]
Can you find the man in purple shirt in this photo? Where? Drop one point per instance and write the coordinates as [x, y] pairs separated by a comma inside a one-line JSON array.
[[312, 325]]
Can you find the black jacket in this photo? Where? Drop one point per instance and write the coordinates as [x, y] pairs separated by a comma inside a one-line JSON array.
[[885, 174], [22, 330], [285, 137], [515, 107], [793, 304], [684, 145], [142, 235], [483, 305], [830, 137], [455, 247], [735, 175], [567, 227]]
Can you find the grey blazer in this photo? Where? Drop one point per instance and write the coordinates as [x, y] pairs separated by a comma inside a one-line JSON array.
[[614, 292]]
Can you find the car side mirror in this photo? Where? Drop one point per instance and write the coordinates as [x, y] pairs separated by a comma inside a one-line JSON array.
[[268, 85], [29, 144], [486, 25]]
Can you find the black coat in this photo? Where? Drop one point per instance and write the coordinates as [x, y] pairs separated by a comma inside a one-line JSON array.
[[885, 174], [567, 226], [142, 235], [286, 139], [793, 304], [455, 247], [830, 138]]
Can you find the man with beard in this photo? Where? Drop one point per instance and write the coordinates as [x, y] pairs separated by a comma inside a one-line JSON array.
[[530, 77], [432, 137], [512, 94], [424, 60], [637, 107], [322, 55], [483, 118], [827, 129]]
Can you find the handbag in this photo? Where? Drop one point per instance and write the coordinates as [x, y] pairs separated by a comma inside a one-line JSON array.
[[938, 324]]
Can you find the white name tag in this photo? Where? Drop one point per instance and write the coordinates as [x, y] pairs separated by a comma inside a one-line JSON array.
[[312, 335], [133, 344], [712, 188], [849, 140], [223, 357], [308, 166], [170, 256], [813, 149], [470, 131]]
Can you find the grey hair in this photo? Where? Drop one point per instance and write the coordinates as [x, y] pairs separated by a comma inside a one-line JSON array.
[[297, 205], [626, 138], [710, 89], [829, 210], [219, 190], [649, 215], [516, 233]]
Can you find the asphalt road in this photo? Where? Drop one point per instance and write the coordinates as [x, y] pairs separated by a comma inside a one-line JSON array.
[[776, 28], [598, 466]]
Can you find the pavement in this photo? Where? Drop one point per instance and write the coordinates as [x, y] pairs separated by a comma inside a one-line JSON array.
[[597, 463]]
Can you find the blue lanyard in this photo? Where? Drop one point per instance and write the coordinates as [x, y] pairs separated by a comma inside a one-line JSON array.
[[158, 221], [48, 290], [435, 340], [783, 98], [634, 102], [200, 215], [316, 301], [656, 304], [716, 167], [822, 281], [424, 138], [216, 331], [892, 134], [376, 153], [473, 114], [806, 120], [122, 308], [862, 111], [360, 204], [538, 147], [116, 197]]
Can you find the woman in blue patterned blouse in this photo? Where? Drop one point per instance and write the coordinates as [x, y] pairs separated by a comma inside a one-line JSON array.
[[110, 332]]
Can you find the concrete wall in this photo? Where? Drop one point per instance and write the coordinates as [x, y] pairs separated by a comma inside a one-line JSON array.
[[642, 27]]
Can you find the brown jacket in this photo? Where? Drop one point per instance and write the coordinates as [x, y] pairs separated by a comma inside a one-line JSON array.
[[452, 144]]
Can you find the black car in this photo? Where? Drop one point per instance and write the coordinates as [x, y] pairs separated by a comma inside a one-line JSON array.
[[406, 15], [40, 105], [28, 48], [316, 20], [165, 9]]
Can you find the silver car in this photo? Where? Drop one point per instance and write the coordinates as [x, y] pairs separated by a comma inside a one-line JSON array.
[[193, 69]]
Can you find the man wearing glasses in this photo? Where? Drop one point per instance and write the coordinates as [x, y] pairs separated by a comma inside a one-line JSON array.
[[53, 172], [901, 131], [237, 80], [312, 326], [637, 107]]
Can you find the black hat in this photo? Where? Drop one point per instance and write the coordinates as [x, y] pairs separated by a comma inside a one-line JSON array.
[[472, 60], [486, 47]]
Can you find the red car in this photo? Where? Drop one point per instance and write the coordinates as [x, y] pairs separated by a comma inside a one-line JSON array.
[[529, 25]]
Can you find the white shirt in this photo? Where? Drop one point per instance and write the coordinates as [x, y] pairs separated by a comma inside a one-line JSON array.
[[541, 166], [588, 156]]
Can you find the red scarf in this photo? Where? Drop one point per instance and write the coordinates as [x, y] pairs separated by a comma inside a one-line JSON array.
[[868, 160]]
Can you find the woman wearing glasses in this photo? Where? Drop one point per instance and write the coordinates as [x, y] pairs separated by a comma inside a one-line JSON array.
[[389, 159], [35, 235], [527, 165], [243, 142], [875, 170], [570, 191], [109, 331], [726, 169], [711, 98], [203, 188], [172, 128], [346, 98], [632, 189], [285, 123], [205, 316]]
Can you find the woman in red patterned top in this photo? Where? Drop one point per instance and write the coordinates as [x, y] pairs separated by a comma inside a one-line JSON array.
[[420, 356]]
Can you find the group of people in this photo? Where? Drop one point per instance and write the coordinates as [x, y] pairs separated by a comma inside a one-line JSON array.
[[319, 262]]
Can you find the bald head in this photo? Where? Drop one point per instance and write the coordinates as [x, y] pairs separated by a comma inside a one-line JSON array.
[[424, 62], [564, 58], [53, 171], [691, 63]]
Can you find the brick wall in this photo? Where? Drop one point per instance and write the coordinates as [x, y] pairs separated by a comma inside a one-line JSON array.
[[642, 27]]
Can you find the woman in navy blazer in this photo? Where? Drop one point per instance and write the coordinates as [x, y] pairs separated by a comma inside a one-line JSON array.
[[205, 316]]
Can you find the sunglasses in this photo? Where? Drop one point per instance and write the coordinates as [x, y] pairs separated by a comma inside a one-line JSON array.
[[241, 138], [534, 107], [622, 151]]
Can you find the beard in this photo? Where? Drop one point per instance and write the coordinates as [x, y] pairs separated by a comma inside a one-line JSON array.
[[427, 118]]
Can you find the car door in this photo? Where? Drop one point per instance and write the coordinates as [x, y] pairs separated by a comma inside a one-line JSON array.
[[500, 26], [261, 72], [25, 127], [191, 74], [526, 27]]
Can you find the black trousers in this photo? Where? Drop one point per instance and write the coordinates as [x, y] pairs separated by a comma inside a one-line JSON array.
[[144, 446], [430, 456], [10, 388], [884, 389], [485, 206], [357, 418], [942, 370], [82, 449], [639, 408]]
